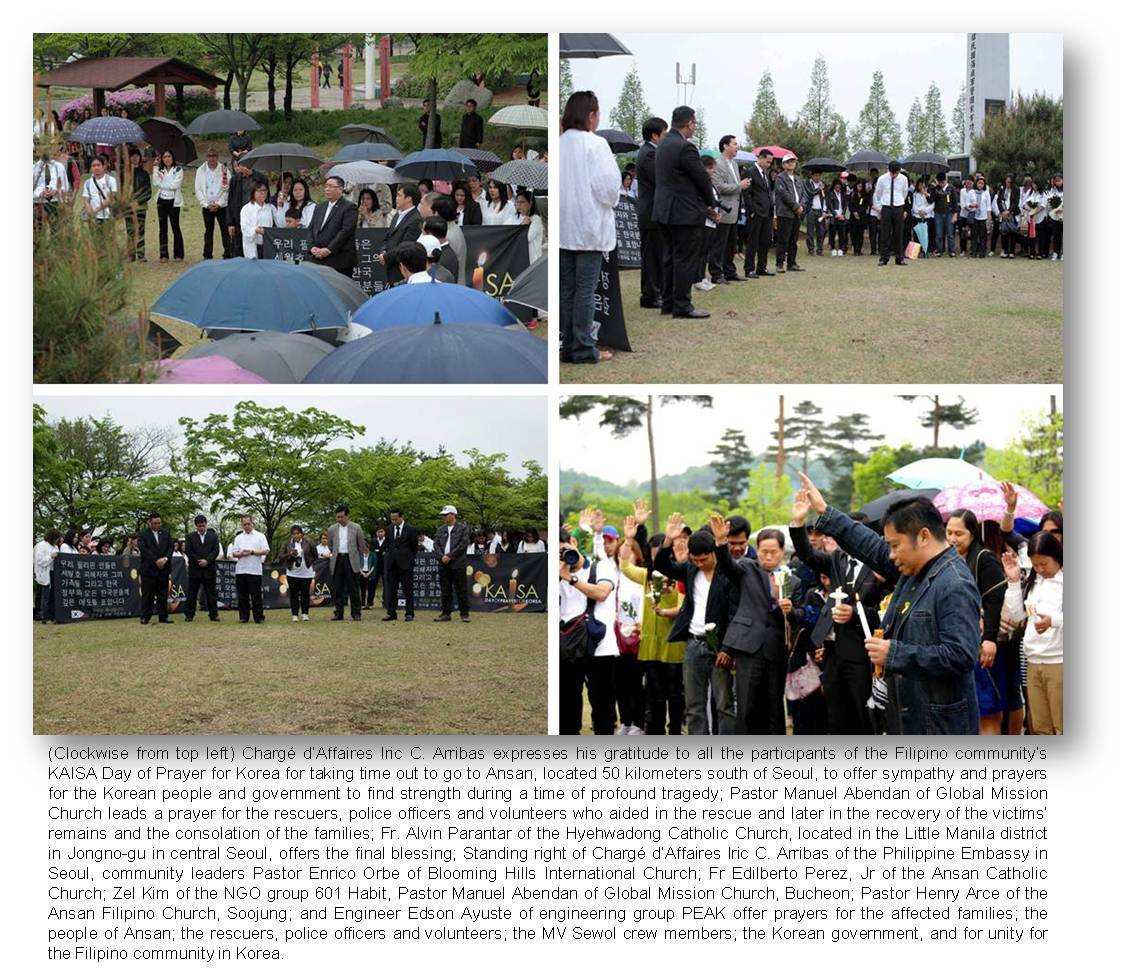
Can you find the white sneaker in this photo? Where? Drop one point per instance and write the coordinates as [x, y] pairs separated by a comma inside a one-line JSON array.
[[633, 731], [293, 618], [622, 730], [705, 285], [1053, 256], [305, 618]]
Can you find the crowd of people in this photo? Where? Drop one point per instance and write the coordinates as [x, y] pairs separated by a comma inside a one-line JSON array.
[[698, 215], [385, 555], [918, 625]]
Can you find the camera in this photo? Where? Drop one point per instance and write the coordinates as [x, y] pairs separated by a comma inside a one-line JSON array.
[[570, 556]]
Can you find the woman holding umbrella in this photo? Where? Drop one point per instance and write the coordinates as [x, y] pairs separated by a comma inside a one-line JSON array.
[[253, 218], [166, 181]]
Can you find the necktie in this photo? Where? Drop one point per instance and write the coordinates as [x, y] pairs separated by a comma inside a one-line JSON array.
[[397, 532], [850, 572], [892, 180]]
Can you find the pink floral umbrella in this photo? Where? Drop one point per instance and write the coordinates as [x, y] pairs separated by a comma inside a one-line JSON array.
[[210, 368], [984, 498]]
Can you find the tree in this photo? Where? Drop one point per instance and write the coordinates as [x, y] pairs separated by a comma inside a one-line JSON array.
[[841, 441], [877, 127], [802, 434], [701, 132], [954, 414], [566, 83], [732, 465], [914, 128], [631, 110], [819, 116], [265, 461], [769, 497], [871, 475], [934, 130], [121, 506], [1035, 459], [624, 415], [1025, 137], [766, 119], [959, 121], [239, 55]]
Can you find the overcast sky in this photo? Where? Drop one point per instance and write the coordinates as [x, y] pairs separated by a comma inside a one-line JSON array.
[[685, 433], [515, 426], [729, 68]]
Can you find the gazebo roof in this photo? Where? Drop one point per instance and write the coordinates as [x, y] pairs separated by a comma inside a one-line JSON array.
[[112, 73]]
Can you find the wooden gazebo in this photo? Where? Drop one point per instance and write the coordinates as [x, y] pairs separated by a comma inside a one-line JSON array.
[[104, 74]]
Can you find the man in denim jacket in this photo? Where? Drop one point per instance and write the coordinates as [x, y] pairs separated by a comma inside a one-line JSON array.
[[933, 617]]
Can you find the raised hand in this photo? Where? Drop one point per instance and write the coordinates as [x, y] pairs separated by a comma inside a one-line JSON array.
[[814, 495], [1010, 566], [641, 511], [719, 526], [598, 520], [1010, 494], [800, 508], [674, 524], [681, 549], [630, 527]]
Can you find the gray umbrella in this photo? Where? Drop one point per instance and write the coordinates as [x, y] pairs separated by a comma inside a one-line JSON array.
[[222, 122], [867, 159], [531, 286], [590, 45], [276, 356], [486, 160], [282, 157], [352, 134], [351, 293], [521, 172], [368, 152]]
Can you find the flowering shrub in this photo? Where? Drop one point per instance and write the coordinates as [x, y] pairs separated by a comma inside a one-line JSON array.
[[138, 102]]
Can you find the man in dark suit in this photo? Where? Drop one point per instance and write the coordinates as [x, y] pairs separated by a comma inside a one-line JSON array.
[[789, 211], [406, 226], [403, 540], [334, 229], [378, 545], [202, 550], [240, 192], [471, 132], [760, 204], [653, 253], [155, 544], [682, 197], [848, 675], [436, 226], [451, 541]]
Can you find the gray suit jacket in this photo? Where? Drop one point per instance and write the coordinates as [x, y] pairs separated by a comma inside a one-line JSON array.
[[357, 545], [787, 199], [726, 181], [459, 540]]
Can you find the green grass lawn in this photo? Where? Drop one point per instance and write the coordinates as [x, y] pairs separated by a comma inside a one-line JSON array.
[[117, 677], [848, 320]]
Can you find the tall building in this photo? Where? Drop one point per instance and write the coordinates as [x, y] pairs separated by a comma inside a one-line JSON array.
[[988, 83]]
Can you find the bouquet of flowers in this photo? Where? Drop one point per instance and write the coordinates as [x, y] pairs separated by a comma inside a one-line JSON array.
[[712, 639], [1055, 205], [656, 580]]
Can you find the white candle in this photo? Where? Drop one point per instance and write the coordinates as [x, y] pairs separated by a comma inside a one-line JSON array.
[[862, 616]]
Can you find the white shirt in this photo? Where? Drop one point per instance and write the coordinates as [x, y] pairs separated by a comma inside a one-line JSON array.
[[167, 182], [922, 208], [421, 277], [211, 184], [628, 605], [589, 190], [1027, 197], [605, 611], [51, 174], [700, 603], [400, 214], [342, 539], [307, 214], [253, 215], [323, 551], [299, 568], [525, 548], [1047, 598], [572, 600], [42, 556], [881, 190], [536, 237], [248, 541], [497, 217], [90, 191], [328, 209]]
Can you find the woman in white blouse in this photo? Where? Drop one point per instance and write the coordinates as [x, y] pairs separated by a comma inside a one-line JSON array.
[[531, 544], [979, 208], [923, 210], [298, 198], [166, 180], [499, 209], [253, 218], [1033, 204], [1039, 602], [527, 214]]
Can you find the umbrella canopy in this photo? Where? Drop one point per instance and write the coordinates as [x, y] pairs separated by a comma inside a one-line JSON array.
[[166, 133], [274, 357], [282, 157], [436, 164], [823, 165], [867, 159], [107, 130], [984, 498], [437, 353], [531, 286], [925, 162], [591, 45], [351, 293], [211, 368], [875, 510], [938, 472], [351, 134], [421, 304], [777, 151], [520, 117], [365, 173], [368, 152], [521, 172], [225, 296], [222, 122], [485, 160], [619, 141], [711, 153]]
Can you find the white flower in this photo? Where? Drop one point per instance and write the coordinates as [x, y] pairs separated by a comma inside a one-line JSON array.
[[658, 575], [710, 626]]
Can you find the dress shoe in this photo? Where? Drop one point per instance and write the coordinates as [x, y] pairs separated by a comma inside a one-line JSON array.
[[213, 618], [882, 263], [900, 263], [465, 618], [410, 618], [695, 313], [445, 617], [796, 267], [390, 618], [165, 622], [781, 270], [337, 618], [765, 273], [733, 280], [650, 305], [188, 618], [667, 311], [144, 622]]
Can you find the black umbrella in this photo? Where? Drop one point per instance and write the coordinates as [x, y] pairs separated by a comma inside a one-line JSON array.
[[485, 160], [867, 159], [618, 140], [590, 45], [281, 157], [823, 165], [368, 152], [875, 510], [167, 134], [222, 122], [352, 134], [925, 162], [531, 286]]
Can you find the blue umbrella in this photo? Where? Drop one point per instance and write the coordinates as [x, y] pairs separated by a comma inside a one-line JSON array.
[[107, 130], [437, 353], [368, 152], [418, 304], [938, 472], [437, 164], [225, 296]]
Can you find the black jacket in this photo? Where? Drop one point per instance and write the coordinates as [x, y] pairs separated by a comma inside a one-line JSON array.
[[409, 229], [422, 125], [154, 548], [239, 194], [787, 200], [401, 553], [683, 190], [757, 626], [196, 549], [338, 234], [459, 540], [471, 132], [449, 259], [644, 173], [759, 196], [717, 606]]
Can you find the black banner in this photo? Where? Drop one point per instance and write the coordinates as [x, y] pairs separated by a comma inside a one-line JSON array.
[[495, 256], [369, 273], [282, 243], [628, 241], [109, 587], [611, 328]]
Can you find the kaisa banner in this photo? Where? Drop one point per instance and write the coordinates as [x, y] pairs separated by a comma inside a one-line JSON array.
[[109, 587]]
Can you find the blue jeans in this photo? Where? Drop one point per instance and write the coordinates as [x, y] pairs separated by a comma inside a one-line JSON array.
[[579, 274], [945, 230], [700, 673]]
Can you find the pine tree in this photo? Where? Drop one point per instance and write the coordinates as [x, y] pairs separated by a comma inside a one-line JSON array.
[[877, 127], [701, 134], [954, 414], [959, 121], [817, 111], [802, 434], [842, 439], [566, 83], [1027, 137], [766, 119], [631, 110], [914, 127], [933, 126], [733, 462]]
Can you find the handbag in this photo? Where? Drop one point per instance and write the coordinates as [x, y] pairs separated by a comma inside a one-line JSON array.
[[802, 682], [912, 251], [628, 644], [573, 640]]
